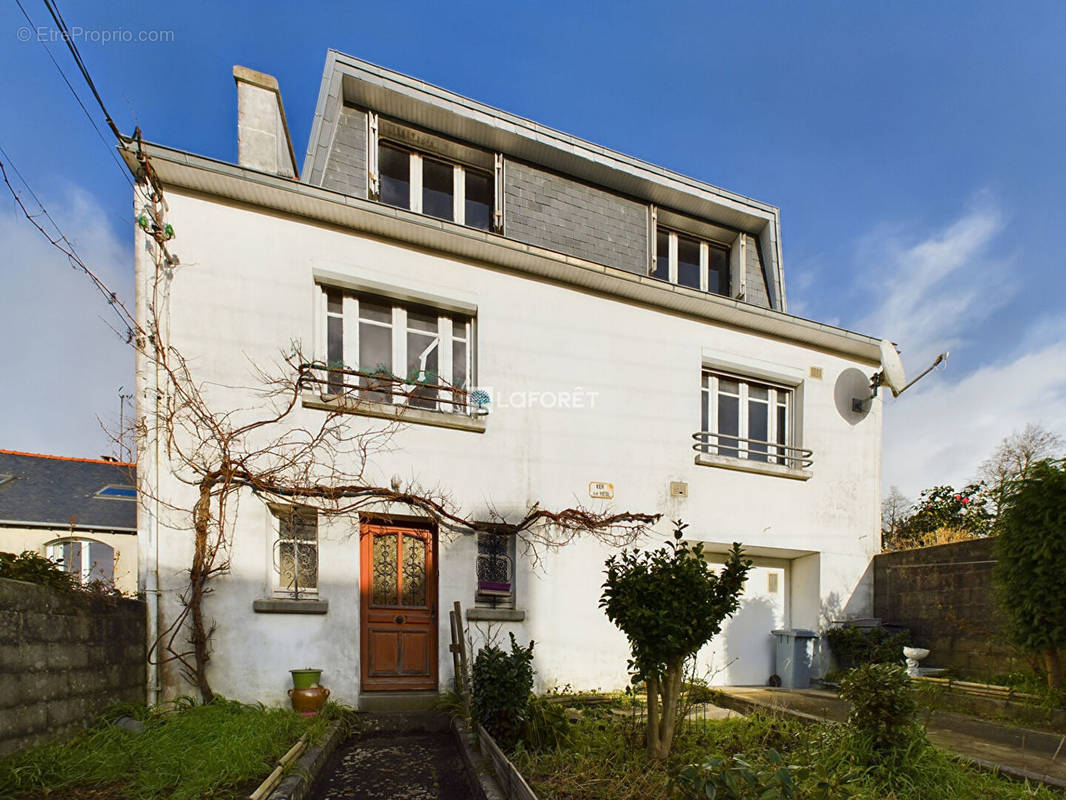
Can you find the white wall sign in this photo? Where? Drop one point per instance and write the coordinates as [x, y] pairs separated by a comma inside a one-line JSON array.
[[601, 490]]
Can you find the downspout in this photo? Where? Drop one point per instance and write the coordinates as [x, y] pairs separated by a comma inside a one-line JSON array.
[[150, 529]]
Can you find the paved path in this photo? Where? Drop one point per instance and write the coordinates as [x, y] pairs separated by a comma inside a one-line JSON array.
[[1020, 752], [396, 762]]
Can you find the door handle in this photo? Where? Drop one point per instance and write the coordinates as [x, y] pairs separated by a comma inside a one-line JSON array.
[[400, 619]]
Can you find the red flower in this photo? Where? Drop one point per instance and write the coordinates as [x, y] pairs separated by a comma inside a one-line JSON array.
[[965, 500]]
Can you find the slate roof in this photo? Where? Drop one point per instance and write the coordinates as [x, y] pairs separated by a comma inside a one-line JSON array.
[[55, 490]]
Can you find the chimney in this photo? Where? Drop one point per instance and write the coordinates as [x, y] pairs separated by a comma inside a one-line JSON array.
[[263, 140]]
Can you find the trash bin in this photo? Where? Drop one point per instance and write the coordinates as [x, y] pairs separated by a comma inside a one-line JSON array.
[[795, 647]]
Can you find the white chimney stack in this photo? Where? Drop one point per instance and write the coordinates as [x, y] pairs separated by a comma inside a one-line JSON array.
[[263, 140]]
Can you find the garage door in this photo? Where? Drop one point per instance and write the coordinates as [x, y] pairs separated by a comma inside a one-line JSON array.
[[743, 653]]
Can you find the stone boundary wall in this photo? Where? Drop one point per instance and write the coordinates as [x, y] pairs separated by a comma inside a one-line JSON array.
[[945, 595], [63, 659]]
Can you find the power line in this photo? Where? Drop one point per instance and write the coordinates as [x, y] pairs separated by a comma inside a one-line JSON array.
[[54, 11], [62, 243], [77, 98]]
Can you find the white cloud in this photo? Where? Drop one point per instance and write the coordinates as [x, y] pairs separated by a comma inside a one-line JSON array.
[[930, 295], [62, 365], [937, 294], [940, 432]]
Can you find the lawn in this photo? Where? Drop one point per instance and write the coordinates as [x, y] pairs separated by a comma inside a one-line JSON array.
[[605, 759], [219, 751]]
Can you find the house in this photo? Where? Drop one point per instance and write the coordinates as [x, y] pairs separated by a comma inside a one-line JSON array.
[[80, 512], [573, 325]]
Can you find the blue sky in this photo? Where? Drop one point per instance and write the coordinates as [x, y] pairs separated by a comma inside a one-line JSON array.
[[916, 151]]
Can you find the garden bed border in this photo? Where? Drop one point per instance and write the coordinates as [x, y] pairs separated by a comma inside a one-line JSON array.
[[298, 785]]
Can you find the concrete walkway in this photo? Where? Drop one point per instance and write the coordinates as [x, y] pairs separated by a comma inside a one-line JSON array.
[[1014, 751], [399, 757]]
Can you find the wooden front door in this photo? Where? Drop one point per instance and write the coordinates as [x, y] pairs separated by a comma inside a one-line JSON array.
[[398, 591]]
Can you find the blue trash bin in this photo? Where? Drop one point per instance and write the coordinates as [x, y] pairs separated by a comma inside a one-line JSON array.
[[795, 648]]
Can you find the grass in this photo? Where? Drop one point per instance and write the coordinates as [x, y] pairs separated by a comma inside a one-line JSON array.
[[605, 759], [217, 751]]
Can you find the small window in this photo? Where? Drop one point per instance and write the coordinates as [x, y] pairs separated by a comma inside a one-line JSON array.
[[5, 478], [296, 550], [741, 418], [688, 261], [86, 559], [118, 492], [495, 571]]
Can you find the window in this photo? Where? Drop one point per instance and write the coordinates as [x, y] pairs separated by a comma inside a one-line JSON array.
[[296, 550], [688, 261], [744, 419], [86, 559], [435, 187], [495, 571], [118, 492], [387, 351]]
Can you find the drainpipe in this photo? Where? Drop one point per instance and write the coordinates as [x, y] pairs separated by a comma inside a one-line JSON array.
[[149, 533]]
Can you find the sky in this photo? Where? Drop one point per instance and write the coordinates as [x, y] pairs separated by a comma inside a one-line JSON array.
[[917, 152]]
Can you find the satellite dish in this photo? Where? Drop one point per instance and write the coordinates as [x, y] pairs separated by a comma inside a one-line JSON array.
[[892, 374]]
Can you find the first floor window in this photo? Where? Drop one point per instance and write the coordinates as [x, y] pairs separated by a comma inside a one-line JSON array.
[[388, 351], [741, 418], [688, 261], [495, 571], [85, 559], [296, 549]]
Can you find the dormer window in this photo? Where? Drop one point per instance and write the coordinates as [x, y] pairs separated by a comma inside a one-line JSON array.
[[435, 187], [689, 261]]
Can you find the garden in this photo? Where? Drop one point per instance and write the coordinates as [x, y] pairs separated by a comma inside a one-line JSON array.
[[651, 741], [220, 750]]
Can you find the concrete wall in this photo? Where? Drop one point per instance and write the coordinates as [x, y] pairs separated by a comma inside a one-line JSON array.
[[640, 372], [945, 595], [346, 166], [549, 210], [15, 540], [63, 660]]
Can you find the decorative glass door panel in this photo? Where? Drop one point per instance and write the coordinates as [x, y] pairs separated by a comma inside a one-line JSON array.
[[399, 607]]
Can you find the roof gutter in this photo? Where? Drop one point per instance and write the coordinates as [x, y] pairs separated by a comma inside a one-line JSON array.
[[244, 185], [65, 526]]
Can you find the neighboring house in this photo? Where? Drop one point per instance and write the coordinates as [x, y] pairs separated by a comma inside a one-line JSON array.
[[80, 512], [627, 330]]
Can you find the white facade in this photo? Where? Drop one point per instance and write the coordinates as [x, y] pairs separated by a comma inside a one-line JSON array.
[[630, 373]]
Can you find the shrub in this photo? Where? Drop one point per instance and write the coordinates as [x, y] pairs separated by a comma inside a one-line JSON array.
[[882, 706], [697, 691], [34, 568], [503, 683], [546, 725], [669, 603], [1031, 553], [737, 778], [854, 647]]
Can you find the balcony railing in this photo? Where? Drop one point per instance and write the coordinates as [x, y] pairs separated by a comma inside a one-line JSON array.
[[357, 386], [716, 444]]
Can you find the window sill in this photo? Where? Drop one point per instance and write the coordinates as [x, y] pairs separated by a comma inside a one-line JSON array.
[[279, 605], [495, 615], [416, 416], [757, 467]]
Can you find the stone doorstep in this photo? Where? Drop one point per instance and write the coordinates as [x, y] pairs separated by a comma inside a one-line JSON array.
[[385, 702]]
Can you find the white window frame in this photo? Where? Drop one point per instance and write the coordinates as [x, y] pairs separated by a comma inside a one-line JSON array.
[[709, 386], [705, 247], [281, 513], [414, 200], [398, 329], [84, 570]]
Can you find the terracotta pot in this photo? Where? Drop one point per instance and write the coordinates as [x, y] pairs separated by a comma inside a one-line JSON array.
[[309, 701]]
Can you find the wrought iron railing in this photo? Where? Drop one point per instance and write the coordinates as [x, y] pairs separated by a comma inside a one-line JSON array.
[[718, 444], [382, 387]]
